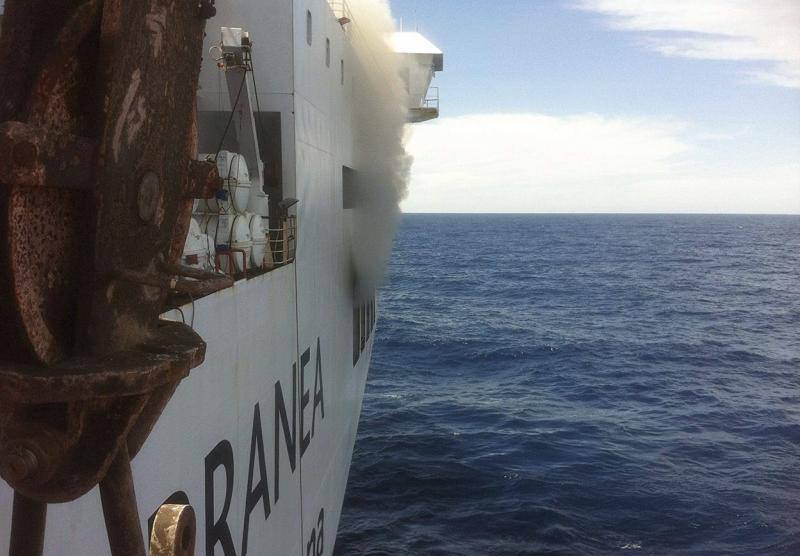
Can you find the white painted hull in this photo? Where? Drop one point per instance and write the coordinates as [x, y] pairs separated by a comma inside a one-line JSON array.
[[247, 355]]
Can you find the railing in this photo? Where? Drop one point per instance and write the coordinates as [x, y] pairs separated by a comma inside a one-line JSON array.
[[341, 10], [429, 109], [280, 249], [432, 98], [228, 254], [282, 243]]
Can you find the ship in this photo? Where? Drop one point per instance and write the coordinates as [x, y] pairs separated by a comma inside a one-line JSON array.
[[184, 372]]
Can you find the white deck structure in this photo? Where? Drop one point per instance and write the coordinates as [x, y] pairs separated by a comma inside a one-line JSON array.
[[420, 60]]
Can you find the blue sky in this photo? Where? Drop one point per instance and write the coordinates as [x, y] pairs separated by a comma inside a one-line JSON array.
[[713, 86]]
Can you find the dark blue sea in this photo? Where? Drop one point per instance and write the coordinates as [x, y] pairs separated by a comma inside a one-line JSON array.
[[583, 384]]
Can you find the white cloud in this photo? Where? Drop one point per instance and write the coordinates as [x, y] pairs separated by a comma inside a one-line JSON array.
[[766, 31], [586, 163]]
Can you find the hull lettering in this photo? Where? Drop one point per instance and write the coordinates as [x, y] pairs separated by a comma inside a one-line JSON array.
[[221, 461]]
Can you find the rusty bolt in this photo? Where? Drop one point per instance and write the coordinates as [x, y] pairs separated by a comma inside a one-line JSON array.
[[18, 464], [25, 154], [206, 9], [148, 196]]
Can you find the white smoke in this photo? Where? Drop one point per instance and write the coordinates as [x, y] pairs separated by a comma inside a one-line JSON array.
[[381, 162]]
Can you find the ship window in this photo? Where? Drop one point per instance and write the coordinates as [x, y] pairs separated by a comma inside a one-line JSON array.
[[369, 320], [328, 52], [364, 316], [362, 319], [366, 322], [348, 188], [341, 72], [309, 23], [356, 346]]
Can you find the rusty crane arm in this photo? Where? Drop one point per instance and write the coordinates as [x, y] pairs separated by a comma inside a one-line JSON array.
[[97, 176]]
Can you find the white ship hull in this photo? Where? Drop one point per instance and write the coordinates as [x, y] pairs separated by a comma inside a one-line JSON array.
[[218, 406]]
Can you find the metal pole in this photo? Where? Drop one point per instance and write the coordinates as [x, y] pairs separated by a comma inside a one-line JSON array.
[[27, 527], [119, 508]]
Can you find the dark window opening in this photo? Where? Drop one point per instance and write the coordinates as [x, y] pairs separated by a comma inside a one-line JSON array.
[[349, 191], [371, 309], [363, 326], [211, 126], [269, 131], [328, 52], [364, 317], [309, 24], [356, 348]]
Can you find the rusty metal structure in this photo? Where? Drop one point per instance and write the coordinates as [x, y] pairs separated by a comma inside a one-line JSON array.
[[97, 177]]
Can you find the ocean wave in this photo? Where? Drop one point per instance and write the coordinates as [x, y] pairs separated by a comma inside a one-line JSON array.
[[603, 385]]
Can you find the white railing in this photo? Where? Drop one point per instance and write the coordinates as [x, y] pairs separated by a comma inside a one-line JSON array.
[[283, 242], [431, 98], [341, 10]]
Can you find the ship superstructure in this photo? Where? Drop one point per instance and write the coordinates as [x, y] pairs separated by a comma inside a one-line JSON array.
[[258, 439]]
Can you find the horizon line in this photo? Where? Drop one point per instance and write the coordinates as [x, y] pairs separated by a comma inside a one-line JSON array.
[[612, 213]]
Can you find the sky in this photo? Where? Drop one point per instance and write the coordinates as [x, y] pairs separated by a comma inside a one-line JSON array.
[[665, 106]]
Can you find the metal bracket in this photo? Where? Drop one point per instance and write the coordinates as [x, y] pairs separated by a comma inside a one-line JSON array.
[[174, 531]]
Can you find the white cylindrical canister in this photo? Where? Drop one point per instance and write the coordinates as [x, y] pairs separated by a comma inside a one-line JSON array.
[[235, 193], [198, 251], [241, 240], [259, 201], [236, 180], [230, 232], [262, 255]]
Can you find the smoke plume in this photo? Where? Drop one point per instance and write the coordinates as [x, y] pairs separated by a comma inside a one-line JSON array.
[[381, 162]]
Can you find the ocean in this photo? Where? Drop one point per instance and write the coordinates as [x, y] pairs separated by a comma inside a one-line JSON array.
[[583, 384]]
